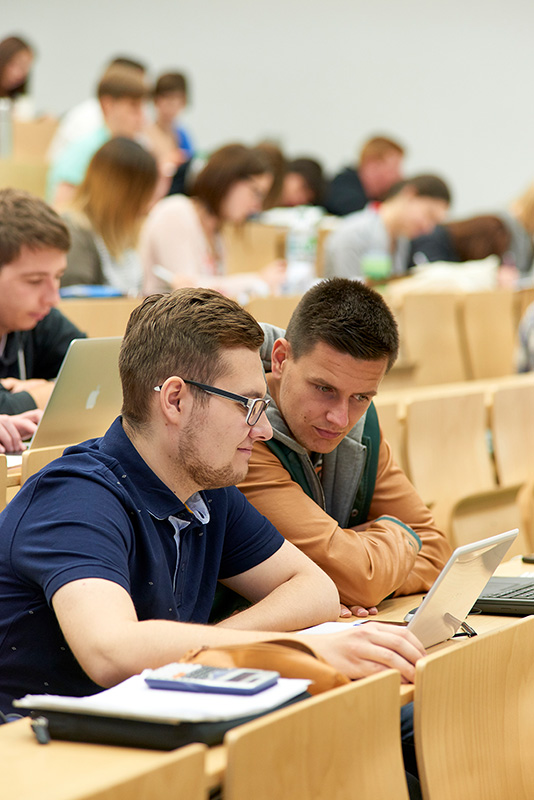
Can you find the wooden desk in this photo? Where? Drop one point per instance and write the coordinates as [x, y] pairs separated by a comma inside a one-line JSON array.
[[72, 771], [395, 609], [63, 770]]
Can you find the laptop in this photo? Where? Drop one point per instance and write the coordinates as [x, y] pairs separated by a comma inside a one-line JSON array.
[[455, 590], [511, 596], [86, 397]]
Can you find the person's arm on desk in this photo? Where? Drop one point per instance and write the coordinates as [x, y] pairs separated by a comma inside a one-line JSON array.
[[15, 428], [38, 389], [99, 622]]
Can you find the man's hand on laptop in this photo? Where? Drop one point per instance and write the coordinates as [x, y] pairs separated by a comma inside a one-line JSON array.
[[39, 389], [370, 648], [14, 428]]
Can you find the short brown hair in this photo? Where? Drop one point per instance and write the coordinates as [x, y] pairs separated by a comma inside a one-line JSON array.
[[379, 147], [423, 186], [121, 81], [183, 333], [27, 221], [227, 166], [170, 82], [347, 316]]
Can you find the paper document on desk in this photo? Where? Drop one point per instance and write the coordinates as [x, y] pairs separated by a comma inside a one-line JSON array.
[[133, 699], [333, 627]]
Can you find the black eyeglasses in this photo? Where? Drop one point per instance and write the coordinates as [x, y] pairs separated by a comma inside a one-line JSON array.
[[255, 405]]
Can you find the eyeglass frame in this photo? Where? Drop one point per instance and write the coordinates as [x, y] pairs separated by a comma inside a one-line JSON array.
[[247, 402]]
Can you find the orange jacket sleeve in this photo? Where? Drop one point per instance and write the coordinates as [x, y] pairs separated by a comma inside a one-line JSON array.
[[400, 551]]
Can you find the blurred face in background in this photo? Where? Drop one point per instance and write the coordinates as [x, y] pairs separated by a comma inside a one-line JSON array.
[[245, 198], [17, 69]]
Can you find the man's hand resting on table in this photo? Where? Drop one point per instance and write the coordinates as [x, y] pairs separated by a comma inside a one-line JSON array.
[[14, 428], [370, 648], [38, 388]]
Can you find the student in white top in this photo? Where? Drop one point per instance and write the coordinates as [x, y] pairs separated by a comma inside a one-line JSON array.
[[181, 241]]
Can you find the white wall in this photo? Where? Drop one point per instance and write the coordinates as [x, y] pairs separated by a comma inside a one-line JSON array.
[[452, 80]]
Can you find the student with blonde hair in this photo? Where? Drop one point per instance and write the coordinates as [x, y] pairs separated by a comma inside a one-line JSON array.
[[106, 214]]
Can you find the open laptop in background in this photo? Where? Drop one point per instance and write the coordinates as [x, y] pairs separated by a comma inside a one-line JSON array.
[[510, 596], [455, 590], [86, 398]]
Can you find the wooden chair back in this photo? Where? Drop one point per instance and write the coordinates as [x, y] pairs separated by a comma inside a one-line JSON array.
[[431, 338], [30, 176], [31, 139], [447, 447], [34, 460], [473, 718], [512, 424], [252, 246], [393, 429], [341, 744], [490, 333], [97, 316], [275, 309], [3, 482]]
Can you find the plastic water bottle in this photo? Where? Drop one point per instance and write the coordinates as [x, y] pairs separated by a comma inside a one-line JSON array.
[[301, 250], [6, 128]]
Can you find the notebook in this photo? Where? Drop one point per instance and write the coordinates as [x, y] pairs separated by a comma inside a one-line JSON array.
[[86, 398], [511, 596], [455, 590]]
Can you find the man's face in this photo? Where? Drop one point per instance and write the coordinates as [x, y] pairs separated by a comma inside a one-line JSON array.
[[125, 116], [420, 215], [386, 172], [216, 444], [29, 288], [169, 105], [323, 394]]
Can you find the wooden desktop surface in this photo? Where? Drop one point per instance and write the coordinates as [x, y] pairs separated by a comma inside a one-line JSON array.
[[68, 770]]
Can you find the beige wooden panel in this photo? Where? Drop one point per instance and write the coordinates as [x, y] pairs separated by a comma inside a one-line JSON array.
[[431, 338], [23, 175], [276, 310], [446, 446], [490, 333], [335, 745], [72, 771], [512, 423], [34, 460], [487, 514], [392, 420], [3, 481], [474, 725], [31, 139], [99, 316], [252, 246]]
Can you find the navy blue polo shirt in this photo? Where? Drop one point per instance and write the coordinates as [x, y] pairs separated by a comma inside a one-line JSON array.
[[100, 512]]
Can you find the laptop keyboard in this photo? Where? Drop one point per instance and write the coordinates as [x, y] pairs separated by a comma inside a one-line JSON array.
[[515, 592]]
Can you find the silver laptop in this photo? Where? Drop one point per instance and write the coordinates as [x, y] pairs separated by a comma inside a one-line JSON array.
[[87, 395], [455, 590]]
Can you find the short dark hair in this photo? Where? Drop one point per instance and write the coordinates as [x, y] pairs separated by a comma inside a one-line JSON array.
[[228, 165], [424, 186], [347, 316], [183, 333], [170, 82], [27, 221], [312, 172]]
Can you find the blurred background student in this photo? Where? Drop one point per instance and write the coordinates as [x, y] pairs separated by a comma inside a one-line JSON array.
[[106, 214], [16, 60], [181, 243], [169, 141]]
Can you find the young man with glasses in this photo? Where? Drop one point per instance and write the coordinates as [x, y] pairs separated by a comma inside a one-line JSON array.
[[110, 556]]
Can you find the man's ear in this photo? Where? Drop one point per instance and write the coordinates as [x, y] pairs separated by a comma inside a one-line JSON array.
[[173, 400], [280, 353]]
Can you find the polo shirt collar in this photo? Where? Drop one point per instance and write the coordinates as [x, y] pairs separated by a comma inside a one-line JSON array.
[[155, 495]]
